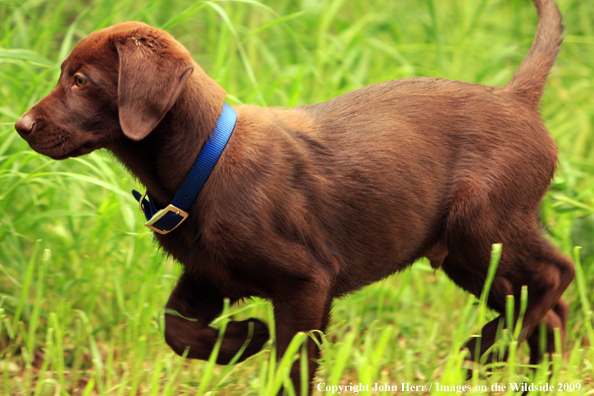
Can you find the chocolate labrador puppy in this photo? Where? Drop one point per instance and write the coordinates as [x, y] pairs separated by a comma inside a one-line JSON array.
[[302, 205]]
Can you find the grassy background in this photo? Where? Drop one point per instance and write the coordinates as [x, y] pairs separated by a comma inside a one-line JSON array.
[[82, 284]]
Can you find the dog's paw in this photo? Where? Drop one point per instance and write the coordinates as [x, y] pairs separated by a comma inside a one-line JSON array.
[[259, 336], [237, 334]]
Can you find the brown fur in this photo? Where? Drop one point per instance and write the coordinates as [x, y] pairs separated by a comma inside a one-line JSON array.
[[311, 203]]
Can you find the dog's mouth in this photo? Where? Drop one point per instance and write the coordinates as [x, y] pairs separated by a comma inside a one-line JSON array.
[[84, 149], [63, 145]]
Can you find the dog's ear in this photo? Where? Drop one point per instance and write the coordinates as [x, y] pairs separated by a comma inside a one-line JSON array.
[[149, 83]]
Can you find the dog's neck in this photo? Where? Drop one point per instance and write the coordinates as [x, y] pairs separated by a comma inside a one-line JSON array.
[[162, 160]]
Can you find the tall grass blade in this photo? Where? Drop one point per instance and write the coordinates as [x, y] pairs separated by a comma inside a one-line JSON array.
[[26, 284]]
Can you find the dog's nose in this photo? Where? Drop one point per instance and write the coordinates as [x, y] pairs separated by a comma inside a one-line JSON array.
[[25, 125]]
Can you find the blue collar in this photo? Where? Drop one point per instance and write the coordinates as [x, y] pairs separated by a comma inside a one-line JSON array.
[[166, 220]]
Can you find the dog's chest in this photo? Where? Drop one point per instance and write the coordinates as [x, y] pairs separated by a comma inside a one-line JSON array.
[[230, 275]]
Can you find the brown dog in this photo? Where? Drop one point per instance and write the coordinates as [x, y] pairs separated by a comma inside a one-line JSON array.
[[311, 203]]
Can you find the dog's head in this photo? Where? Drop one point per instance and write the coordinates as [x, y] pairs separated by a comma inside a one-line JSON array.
[[117, 83]]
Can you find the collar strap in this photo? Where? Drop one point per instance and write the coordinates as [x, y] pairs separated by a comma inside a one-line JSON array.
[[169, 218]]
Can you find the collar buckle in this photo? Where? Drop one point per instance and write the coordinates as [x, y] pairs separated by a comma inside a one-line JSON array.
[[141, 201], [167, 219]]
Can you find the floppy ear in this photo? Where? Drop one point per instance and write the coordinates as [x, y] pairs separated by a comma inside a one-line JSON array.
[[149, 83]]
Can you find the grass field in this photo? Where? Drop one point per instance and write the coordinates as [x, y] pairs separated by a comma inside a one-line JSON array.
[[82, 284]]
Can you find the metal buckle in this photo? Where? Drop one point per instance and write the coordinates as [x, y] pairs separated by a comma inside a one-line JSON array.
[[159, 215], [140, 201]]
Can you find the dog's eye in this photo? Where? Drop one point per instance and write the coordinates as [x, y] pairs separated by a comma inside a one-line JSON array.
[[79, 80]]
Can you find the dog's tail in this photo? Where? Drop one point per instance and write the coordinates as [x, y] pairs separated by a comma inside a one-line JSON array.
[[530, 78]]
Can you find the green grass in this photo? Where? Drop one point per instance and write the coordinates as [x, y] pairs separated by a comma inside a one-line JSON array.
[[82, 284]]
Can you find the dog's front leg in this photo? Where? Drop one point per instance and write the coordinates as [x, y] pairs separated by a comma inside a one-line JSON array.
[[303, 308], [192, 306]]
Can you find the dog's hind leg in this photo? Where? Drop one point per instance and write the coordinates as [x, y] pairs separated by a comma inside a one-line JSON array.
[[556, 318], [474, 283], [192, 306], [544, 271], [547, 274]]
